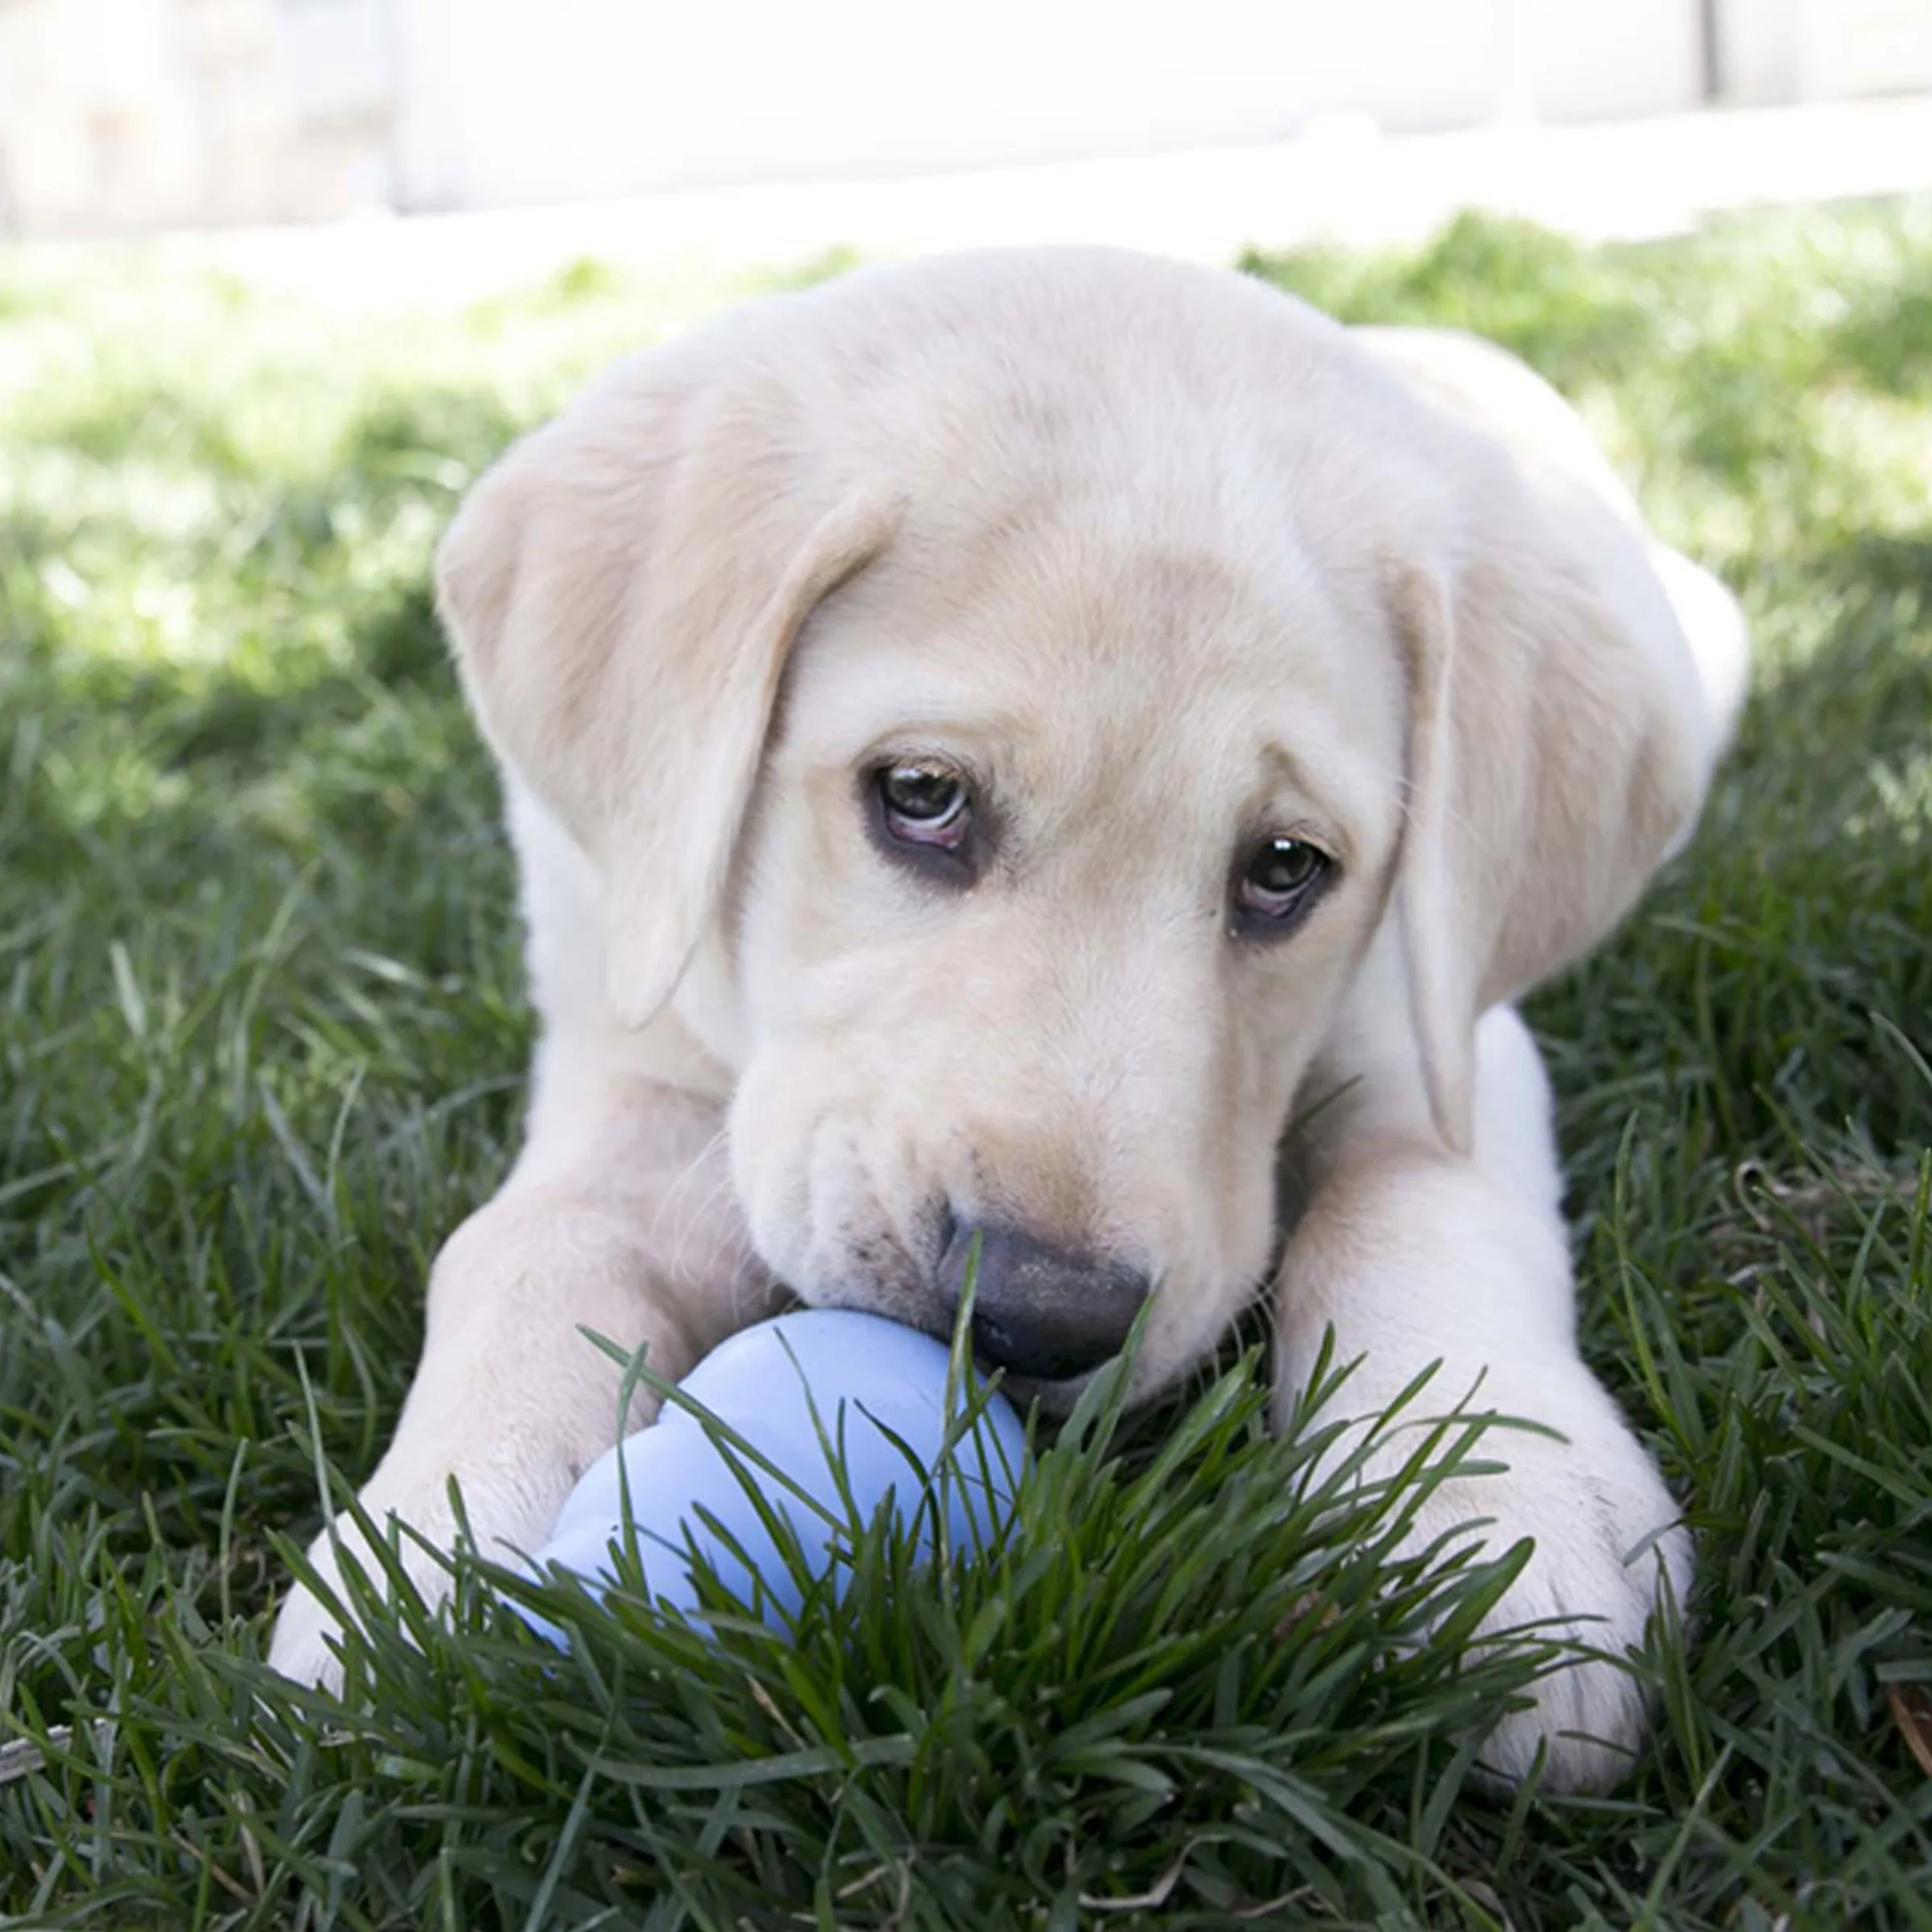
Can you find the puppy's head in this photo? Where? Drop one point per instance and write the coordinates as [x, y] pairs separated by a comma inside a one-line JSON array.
[[1074, 710]]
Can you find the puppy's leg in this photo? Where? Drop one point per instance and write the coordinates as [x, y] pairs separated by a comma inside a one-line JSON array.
[[618, 1218], [1414, 1258]]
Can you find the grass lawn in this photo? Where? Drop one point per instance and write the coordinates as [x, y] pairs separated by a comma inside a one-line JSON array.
[[261, 1045]]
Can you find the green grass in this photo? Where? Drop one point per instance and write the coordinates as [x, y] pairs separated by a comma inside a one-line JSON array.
[[261, 1045]]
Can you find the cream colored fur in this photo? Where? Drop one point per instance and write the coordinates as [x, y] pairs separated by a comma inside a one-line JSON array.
[[1160, 555]]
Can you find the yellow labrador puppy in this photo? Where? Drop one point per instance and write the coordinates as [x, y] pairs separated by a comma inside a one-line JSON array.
[[988, 740]]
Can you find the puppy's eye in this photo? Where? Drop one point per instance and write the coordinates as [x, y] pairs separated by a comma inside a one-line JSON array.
[[925, 805], [1278, 879]]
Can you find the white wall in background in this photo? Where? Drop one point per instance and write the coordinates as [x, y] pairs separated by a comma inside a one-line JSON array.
[[129, 115], [340, 55], [134, 114], [97, 108], [505, 99], [1824, 50], [1608, 62], [1867, 46]]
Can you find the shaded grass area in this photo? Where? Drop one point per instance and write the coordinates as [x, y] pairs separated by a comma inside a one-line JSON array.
[[261, 1037]]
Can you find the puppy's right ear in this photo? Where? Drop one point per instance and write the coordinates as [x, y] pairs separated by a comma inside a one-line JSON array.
[[1559, 748], [621, 590]]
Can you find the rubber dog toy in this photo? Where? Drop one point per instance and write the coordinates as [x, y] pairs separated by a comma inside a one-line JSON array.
[[871, 1391]]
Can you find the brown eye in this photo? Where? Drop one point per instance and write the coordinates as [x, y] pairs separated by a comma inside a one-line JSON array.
[[925, 805], [1279, 877]]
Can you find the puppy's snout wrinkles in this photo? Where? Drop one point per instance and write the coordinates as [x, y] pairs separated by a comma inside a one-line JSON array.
[[1037, 1310]]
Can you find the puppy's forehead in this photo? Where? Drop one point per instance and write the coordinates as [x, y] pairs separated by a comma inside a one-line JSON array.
[[1147, 513], [1081, 650]]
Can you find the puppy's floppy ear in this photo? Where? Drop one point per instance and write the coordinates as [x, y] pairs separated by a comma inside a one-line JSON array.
[[1559, 744], [622, 590]]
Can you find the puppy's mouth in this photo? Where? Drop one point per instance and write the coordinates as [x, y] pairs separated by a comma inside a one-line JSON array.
[[1055, 1398], [1045, 1318], [914, 1296]]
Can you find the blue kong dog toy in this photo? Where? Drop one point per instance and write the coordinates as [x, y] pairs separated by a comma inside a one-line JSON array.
[[871, 1391]]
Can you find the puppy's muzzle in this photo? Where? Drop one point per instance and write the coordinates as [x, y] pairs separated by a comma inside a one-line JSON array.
[[1038, 1311]]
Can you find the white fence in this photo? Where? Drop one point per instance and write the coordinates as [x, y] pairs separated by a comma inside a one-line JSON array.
[[123, 114]]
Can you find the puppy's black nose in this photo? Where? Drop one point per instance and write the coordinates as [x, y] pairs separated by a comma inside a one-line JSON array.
[[1036, 1309]]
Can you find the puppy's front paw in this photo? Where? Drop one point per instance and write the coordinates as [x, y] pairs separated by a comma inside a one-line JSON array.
[[307, 1628], [1594, 1507], [304, 1629], [512, 1484]]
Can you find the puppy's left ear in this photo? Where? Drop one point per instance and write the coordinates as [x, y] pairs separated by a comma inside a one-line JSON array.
[[1560, 743]]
